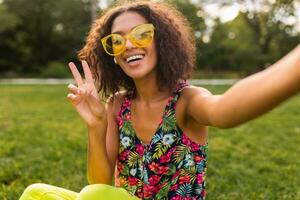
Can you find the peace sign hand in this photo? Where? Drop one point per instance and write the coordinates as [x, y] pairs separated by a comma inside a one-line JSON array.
[[84, 97]]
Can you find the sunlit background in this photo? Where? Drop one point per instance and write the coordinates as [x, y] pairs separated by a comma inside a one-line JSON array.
[[234, 38], [42, 138]]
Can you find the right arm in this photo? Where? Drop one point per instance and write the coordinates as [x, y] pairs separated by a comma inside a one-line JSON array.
[[100, 123], [104, 158], [99, 169]]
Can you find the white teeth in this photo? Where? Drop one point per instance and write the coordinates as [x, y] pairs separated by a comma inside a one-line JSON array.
[[134, 57]]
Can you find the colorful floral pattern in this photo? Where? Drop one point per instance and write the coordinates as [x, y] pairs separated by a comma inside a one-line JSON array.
[[170, 167]]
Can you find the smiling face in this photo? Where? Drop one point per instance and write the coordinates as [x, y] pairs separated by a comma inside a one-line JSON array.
[[136, 62]]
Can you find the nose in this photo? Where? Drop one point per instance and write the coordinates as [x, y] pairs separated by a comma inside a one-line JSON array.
[[128, 44]]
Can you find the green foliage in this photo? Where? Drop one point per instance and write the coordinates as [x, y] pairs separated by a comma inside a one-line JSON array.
[[56, 69], [46, 31], [232, 44], [180, 153], [164, 190], [185, 190], [133, 159], [251, 42], [190, 11], [168, 120], [8, 20], [160, 150], [36, 33]]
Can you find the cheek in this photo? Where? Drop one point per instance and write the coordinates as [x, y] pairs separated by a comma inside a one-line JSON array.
[[153, 54]]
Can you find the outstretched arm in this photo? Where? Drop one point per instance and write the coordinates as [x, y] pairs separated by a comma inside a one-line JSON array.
[[250, 97]]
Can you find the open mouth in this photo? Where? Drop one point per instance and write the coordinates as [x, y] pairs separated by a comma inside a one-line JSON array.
[[135, 58]]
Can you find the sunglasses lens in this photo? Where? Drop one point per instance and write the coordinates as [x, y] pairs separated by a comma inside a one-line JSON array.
[[142, 36], [114, 44]]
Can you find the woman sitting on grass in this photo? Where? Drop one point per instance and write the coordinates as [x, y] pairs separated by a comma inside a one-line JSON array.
[[152, 136]]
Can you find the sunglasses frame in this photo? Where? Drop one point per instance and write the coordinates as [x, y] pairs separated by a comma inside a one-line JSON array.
[[128, 36]]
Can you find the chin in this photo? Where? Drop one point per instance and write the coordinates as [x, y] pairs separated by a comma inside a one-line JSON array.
[[139, 73], [136, 75]]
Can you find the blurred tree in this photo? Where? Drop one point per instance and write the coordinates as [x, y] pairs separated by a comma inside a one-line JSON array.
[[267, 19], [195, 15], [191, 12], [257, 37], [9, 22], [47, 31], [35, 34], [232, 46]]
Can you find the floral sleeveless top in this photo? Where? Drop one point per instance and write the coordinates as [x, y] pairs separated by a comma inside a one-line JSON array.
[[170, 167]]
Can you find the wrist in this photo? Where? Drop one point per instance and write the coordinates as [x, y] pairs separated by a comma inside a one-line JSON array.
[[97, 124]]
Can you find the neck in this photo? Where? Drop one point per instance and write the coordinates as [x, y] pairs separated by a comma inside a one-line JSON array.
[[147, 90]]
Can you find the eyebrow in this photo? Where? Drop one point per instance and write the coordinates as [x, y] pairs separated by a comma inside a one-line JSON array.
[[118, 32], [122, 33]]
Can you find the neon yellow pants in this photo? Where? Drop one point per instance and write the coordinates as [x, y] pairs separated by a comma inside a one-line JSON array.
[[40, 191]]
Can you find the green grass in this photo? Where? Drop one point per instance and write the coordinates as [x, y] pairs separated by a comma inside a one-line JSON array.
[[42, 139]]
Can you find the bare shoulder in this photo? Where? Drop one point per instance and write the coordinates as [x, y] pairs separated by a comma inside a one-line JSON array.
[[194, 91], [196, 102]]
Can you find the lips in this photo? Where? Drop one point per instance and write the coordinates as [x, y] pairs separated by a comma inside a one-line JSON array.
[[133, 57], [135, 62]]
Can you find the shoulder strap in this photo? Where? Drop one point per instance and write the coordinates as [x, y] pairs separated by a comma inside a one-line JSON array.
[[176, 94], [180, 86], [124, 107]]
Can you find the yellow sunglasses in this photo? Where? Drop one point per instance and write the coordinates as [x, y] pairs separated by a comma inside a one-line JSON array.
[[141, 36]]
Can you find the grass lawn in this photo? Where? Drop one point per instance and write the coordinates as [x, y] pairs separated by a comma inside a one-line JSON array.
[[42, 139]]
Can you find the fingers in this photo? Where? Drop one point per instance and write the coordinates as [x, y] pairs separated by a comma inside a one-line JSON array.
[[87, 72], [75, 99], [76, 94], [73, 89], [76, 73], [80, 91], [80, 94]]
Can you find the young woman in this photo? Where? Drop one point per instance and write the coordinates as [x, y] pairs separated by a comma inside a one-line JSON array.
[[151, 135]]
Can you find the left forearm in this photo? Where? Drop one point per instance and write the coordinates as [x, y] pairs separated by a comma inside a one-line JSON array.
[[260, 92]]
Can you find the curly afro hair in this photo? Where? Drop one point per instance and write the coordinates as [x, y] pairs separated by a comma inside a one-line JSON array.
[[174, 40]]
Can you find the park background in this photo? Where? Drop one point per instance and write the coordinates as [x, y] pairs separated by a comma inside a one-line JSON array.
[[42, 138]]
